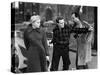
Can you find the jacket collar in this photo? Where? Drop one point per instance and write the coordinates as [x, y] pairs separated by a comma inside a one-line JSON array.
[[30, 28]]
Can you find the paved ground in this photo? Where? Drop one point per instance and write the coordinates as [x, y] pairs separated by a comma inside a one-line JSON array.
[[92, 64]]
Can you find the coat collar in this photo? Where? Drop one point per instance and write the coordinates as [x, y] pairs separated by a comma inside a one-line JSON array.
[[30, 28]]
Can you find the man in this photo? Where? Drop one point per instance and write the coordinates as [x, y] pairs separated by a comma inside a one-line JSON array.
[[61, 35], [84, 37]]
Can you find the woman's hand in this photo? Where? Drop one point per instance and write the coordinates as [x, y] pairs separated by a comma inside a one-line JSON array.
[[47, 58]]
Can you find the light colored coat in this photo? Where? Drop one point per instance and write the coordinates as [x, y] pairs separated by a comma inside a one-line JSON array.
[[84, 48]]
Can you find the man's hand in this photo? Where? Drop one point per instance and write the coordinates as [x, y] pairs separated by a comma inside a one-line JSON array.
[[91, 28]]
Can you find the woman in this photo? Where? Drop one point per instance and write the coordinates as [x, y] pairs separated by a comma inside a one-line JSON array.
[[83, 55], [36, 45]]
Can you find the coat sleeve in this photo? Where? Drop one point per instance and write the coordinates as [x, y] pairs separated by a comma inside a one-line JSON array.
[[54, 39], [44, 41]]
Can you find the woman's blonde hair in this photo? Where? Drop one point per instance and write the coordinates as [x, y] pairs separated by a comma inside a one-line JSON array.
[[34, 18]]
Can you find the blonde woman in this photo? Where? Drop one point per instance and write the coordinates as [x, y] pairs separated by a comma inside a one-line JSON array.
[[36, 44]]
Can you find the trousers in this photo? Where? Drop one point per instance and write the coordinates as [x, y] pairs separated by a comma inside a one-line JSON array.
[[60, 51]]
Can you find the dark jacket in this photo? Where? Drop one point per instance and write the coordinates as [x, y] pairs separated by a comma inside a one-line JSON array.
[[37, 49], [61, 35]]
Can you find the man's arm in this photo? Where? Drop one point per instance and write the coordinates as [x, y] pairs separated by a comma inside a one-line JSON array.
[[54, 37], [80, 30]]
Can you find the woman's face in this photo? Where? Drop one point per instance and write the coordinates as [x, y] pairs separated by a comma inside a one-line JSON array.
[[36, 24]]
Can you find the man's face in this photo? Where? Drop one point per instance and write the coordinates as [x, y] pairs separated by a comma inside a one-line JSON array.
[[61, 23], [75, 19]]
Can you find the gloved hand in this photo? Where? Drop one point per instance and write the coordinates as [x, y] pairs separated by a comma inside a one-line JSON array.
[[47, 58], [48, 63]]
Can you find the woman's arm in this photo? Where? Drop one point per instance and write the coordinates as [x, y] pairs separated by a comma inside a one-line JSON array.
[[26, 42], [44, 42]]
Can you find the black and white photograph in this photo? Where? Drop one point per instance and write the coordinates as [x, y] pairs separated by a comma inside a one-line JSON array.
[[48, 37]]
